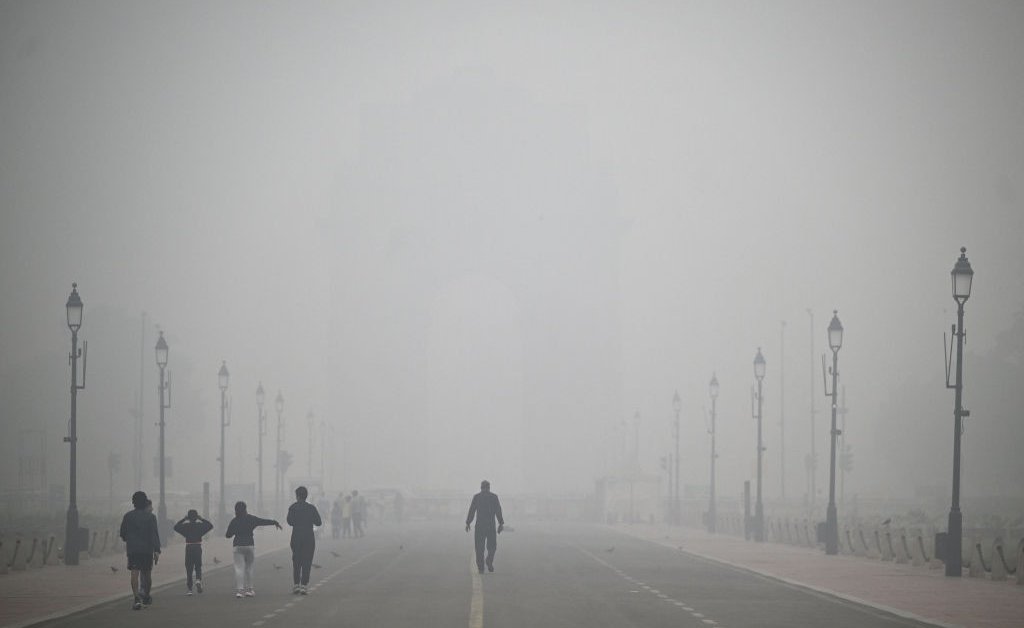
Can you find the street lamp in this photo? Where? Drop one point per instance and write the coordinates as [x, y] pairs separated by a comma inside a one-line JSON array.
[[962, 276], [759, 507], [223, 377], [677, 406], [71, 535], [278, 472], [835, 341], [164, 387], [261, 420], [712, 514]]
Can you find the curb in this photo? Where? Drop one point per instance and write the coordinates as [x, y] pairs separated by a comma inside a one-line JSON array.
[[157, 587], [795, 583]]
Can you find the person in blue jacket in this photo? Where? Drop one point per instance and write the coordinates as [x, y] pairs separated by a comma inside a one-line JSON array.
[[193, 528]]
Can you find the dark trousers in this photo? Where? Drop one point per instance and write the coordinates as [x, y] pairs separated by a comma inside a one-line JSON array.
[[193, 563], [485, 535], [302, 560]]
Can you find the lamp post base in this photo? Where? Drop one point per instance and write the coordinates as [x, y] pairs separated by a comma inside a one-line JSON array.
[[831, 531], [71, 549], [954, 542]]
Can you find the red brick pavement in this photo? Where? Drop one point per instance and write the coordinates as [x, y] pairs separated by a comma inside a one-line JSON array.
[[918, 592]]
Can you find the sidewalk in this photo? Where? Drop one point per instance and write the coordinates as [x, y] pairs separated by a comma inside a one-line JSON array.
[[29, 596], [917, 592]]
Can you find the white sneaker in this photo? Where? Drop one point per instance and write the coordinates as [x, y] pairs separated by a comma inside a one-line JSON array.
[[250, 593], [297, 589], [303, 589], [238, 594], [199, 586], [189, 592]]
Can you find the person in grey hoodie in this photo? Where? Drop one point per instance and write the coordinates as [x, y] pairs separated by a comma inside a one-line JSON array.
[[241, 529], [302, 516], [142, 544]]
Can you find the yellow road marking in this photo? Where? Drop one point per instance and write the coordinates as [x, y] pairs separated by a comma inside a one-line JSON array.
[[476, 604]]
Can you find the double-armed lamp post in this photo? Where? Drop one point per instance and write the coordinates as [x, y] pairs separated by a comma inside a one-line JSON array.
[[759, 366], [712, 514], [223, 378], [835, 341], [962, 276], [74, 313]]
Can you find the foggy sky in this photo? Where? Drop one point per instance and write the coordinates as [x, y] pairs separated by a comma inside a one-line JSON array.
[[475, 237]]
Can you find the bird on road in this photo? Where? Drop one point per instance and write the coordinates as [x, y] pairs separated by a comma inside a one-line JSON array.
[[335, 554], [276, 566], [610, 549], [887, 521], [401, 547], [113, 569], [216, 561]]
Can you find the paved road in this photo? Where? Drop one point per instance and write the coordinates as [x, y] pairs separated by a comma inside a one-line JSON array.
[[546, 575]]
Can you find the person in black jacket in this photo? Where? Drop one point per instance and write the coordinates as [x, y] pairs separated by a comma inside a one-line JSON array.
[[142, 544], [302, 516], [486, 507], [241, 528], [193, 528]]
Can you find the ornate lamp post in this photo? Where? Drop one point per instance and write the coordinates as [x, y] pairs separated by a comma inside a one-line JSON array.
[[310, 424], [759, 507], [163, 387], [223, 377], [712, 511], [677, 406], [278, 469], [962, 276], [74, 309], [835, 341], [261, 420]]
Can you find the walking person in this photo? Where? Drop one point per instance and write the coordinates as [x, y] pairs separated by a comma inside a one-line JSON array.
[[335, 519], [346, 517], [193, 528], [241, 528], [302, 516], [358, 514], [486, 507], [142, 544]]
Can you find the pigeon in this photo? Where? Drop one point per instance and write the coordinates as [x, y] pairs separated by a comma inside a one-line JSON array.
[[335, 554], [610, 549], [216, 561], [887, 521], [276, 566], [316, 566], [113, 569], [401, 547]]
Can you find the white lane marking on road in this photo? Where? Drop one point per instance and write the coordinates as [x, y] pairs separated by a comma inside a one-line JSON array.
[[289, 604], [696, 614], [710, 622], [476, 603], [257, 623], [269, 616]]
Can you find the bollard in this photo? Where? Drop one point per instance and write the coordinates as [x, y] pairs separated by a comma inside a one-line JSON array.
[[1020, 562], [35, 555], [902, 551], [887, 553], [50, 557], [998, 566], [92, 545], [977, 569]]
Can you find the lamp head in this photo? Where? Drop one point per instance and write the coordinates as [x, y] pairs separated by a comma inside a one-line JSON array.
[[962, 275], [161, 351], [260, 396], [74, 309], [835, 332], [759, 365], [223, 376], [713, 386], [677, 403]]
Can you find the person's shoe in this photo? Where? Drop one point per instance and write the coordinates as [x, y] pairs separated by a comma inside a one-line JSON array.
[[303, 590], [199, 587], [296, 589], [189, 592], [490, 567], [250, 593], [147, 600], [137, 604], [481, 569], [238, 594]]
